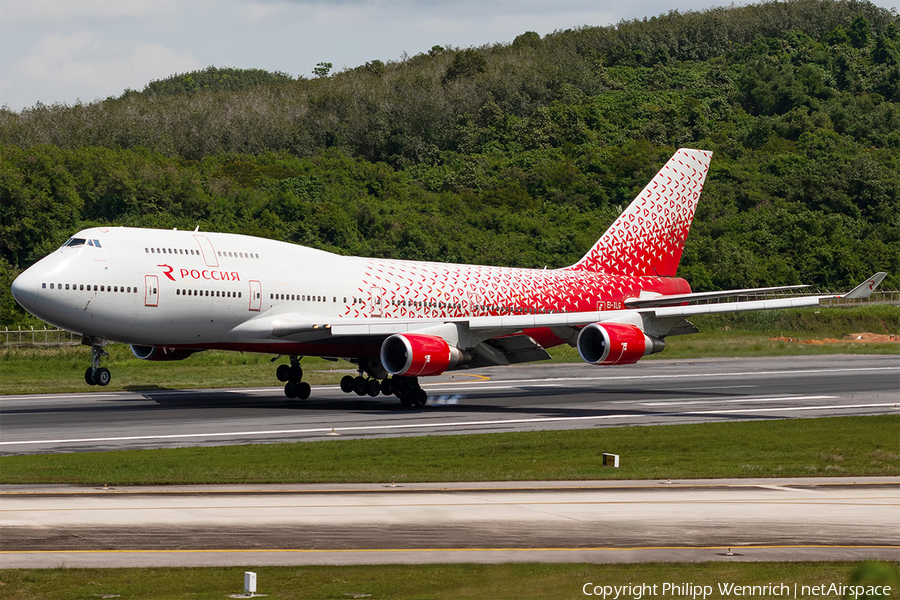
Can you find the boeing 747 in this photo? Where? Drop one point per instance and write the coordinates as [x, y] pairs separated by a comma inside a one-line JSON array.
[[170, 294]]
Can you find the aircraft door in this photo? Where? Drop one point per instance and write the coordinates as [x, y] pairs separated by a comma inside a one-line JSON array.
[[255, 295], [206, 248], [151, 290], [376, 300]]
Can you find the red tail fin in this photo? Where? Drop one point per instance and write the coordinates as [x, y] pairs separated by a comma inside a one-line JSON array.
[[648, 237]]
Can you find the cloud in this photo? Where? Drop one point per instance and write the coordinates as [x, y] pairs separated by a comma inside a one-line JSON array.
[[86, 66], [19, 12]]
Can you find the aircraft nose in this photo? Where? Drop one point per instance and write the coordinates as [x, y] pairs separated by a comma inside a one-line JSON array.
[[25, 289]]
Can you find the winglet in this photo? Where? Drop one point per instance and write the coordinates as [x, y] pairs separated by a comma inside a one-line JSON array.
[[868, 286]]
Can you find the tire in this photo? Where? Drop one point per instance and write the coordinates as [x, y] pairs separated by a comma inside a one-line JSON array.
[[295, 374], [374, 388], [89, 376], [347, 384], [387, 387], [405, 400], [290, 390], [360, 386], [103, 376], [421, 398], [303, 390], [283, 373]]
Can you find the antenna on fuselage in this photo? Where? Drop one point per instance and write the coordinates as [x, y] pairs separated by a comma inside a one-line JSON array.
[[196, 229]]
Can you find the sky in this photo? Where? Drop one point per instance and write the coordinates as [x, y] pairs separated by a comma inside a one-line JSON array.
[[65, 51]]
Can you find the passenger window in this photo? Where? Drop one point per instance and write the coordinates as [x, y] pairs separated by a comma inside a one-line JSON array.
[[239, 294], [177, 292], [220, 253], [81, 287], [51, 286], [67, 286], [43, 286], [116, 288], [147, 250]]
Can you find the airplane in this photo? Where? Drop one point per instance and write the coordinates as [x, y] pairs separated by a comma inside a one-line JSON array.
[[170, 294]]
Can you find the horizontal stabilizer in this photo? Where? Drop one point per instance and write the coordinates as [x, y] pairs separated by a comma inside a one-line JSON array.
[[680, 298]]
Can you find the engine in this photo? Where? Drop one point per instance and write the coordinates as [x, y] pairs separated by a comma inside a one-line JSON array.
[[161, 352], [615, 344], [411, 355]]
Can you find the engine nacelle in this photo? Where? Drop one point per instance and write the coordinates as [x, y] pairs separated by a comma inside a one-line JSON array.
[[412, 354], [158, 353], [615, 344]]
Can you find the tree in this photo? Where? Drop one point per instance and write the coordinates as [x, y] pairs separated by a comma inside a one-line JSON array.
[[467, 63], [322, 69]]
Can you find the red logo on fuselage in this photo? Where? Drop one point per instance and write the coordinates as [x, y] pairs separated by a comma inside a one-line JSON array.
[[167, 271], [208, 274]]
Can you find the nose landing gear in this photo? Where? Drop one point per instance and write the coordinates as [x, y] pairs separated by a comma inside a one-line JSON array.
[[95, 374], [293, 374]]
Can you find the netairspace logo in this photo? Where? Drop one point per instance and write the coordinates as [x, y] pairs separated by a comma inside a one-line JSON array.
[[725, 590]]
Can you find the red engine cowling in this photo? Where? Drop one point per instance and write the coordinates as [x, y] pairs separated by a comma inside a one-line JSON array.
[[615, 344], [161, 352], [412, 354]]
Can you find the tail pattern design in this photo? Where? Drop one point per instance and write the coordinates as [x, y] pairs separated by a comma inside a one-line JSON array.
[[648, 237]]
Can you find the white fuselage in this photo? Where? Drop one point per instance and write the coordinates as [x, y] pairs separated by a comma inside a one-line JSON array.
[[195, 289]]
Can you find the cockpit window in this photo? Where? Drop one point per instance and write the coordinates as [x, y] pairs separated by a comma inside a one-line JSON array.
[[82, 242]]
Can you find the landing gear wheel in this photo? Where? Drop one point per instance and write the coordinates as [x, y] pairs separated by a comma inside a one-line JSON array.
[[295, 373], [387, 387], [283, 373], [360, 386], [347, 384], [421, 398], [405, 400], [89, 376], [103, 376], [374, 388], [290, 390], [303, 390]]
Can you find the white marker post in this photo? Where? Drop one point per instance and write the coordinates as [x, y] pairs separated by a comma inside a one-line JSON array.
[[249, 583], [610, 460]]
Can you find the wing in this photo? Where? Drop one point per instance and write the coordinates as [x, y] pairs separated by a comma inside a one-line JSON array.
[[497, 340]]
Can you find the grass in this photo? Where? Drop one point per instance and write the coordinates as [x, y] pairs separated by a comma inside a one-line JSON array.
[[839, 446], [457, 581]]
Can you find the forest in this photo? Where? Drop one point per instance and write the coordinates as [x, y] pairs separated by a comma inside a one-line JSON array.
[[516, 154]]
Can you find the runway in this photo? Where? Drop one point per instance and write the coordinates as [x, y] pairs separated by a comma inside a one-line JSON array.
[[595, 521], [522, 398]]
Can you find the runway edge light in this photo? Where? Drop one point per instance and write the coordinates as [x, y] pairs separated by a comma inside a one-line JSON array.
[[249, 582], [610, 460]]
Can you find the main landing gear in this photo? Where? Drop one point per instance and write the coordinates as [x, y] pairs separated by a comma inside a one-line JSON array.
[[95, 374], [405, 388], [292, 374]]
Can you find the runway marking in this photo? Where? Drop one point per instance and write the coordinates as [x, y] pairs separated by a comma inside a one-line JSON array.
[[680, 375], [884, 501], [437, 425], [400, 550], [737, 400]]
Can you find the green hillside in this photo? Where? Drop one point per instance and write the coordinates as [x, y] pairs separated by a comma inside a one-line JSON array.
[[516, 154]]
